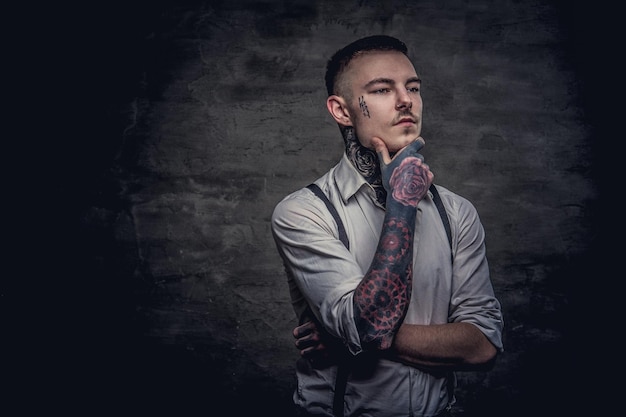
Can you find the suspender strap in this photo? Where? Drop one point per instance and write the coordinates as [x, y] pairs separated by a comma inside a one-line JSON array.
[[343, 368], [443, 214], [343, 236]]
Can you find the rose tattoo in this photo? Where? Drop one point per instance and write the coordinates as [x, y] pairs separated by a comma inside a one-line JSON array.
[[408, 182], [366, 162]]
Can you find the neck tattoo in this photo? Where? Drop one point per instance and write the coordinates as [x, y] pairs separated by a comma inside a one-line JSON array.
[[366, 162]]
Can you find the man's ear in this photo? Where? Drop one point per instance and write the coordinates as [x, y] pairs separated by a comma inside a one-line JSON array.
[[338, 108]]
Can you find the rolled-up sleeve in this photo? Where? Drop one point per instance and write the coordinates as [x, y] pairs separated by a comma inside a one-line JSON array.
[[322, 272], [473, 299]]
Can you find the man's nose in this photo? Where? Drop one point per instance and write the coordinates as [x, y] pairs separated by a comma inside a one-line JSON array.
[[404, 101]]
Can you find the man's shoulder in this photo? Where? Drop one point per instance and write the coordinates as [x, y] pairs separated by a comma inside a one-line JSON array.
[[300, 201], [454, 201], [299, 196], [303, 195]]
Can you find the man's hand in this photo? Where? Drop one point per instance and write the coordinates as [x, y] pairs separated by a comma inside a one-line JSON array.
[[405, 176], [312, 343], [308, 339]]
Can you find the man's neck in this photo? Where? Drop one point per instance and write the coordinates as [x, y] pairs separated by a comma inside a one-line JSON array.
[[366, 163]]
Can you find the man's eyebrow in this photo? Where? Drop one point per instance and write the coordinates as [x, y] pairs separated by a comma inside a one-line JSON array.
[[380, 81], [391, 82]]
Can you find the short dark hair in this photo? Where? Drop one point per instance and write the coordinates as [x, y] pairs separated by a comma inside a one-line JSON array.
[[342, 57]]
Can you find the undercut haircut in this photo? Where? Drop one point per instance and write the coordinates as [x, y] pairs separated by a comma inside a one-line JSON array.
[[340, 60]]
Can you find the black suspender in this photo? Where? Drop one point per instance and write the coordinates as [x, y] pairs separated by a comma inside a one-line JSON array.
[[342, 369], [343, 236], [444, 216]]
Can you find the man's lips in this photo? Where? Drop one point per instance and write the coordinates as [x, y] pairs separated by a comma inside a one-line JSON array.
[[406, 120]]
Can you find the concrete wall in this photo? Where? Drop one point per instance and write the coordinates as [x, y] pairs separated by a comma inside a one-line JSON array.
[[198, 117]]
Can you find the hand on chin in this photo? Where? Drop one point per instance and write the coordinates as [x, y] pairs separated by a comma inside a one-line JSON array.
[[401, 144]]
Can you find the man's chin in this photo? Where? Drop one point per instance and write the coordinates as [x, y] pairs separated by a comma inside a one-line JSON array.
[[396, 146]]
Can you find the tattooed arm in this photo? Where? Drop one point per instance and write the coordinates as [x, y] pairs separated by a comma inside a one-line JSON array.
[[381, 300], [382, 297]]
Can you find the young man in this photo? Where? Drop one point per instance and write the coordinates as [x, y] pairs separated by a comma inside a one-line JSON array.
[[393, 306]]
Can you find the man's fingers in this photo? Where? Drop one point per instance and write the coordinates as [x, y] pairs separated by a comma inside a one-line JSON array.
[[413, 148], [313, 348], [381, 150], [416, 146], [312, 339], [304, 329]]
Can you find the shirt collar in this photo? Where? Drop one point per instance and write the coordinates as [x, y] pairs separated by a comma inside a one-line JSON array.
[[349, 181]]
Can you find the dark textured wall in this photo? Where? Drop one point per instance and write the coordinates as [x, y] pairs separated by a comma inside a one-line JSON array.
[[193, 119]]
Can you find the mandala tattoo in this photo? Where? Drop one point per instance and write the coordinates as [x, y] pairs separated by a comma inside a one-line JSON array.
[[382, 303], [366, 163], [395, 242]]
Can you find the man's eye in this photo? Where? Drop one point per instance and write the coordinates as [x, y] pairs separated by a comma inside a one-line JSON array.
[[413, 89], [381, 91]]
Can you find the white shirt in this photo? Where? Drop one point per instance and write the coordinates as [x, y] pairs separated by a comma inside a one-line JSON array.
[[323, 274]]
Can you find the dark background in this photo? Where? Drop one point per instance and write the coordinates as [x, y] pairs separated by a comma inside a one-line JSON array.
[[148, 281]]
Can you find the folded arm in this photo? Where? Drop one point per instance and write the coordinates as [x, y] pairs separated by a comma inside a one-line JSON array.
[[443, 347], [431, 348]]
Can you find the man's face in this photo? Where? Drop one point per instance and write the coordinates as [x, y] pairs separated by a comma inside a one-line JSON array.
[[384, 99]]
